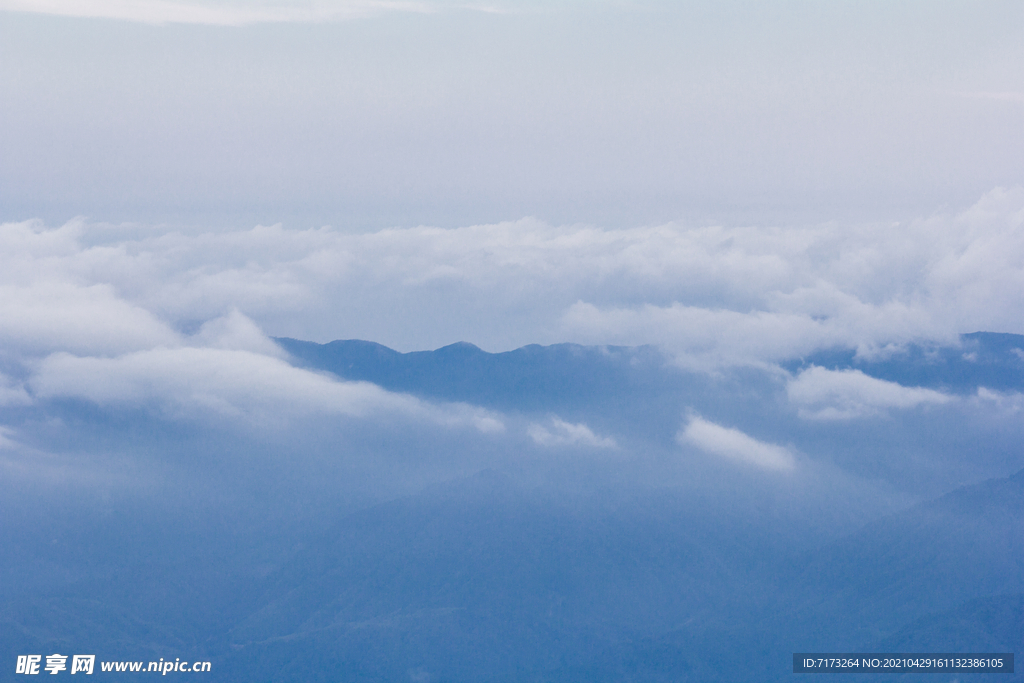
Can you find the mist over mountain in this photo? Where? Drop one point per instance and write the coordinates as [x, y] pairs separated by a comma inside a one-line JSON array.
[[622, 524], [985, 360]]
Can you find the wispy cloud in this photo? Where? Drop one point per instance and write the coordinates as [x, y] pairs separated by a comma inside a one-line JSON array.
[[1007, 402], [732, 444], [238, 13], [191, 381], [229, 367], [5, 438], [708, 338], [558, 432], [823, 394], [213, 13], [12, 393]]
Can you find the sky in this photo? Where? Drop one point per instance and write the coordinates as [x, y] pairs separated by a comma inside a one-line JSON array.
[[371, 115]]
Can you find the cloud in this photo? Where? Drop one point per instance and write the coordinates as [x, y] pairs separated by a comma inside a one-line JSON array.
[[704, 338], [215, 13], [5, 438], [91, 321], [771, 294], [562, 433], [237, 13], [1005, 402], [713, 296], [824, 394], [52, 316], [189, 381], [235, 332], [732, 444], [12, 393]]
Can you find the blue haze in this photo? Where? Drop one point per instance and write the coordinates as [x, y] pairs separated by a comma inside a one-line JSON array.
[[296, 555]]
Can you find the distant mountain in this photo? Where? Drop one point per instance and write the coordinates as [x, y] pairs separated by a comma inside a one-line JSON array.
[[541, 564], [982, 359], [992, 624], [487, 576], [934, 578], [494, 579], [533, 376], [626, 389], [989, 624], [529, 378]]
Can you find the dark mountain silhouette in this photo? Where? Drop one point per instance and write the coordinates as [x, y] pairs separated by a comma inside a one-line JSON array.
[[564, 376]]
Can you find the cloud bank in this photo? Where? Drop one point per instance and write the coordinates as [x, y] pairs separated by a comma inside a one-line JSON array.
[[232, 383], [824, 394], [175, 329], [228, 368], [714, 296], [732, 444], [235, 13], [129, 314]]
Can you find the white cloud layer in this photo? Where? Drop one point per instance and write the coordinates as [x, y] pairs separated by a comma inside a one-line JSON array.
[[99, 322], [51, 316], [824, 394], [713, 296], [732, 444], [561, 433], [236, 383]]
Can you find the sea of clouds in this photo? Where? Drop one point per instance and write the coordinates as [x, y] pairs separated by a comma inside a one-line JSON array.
[[180, 323], [711, 295]]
